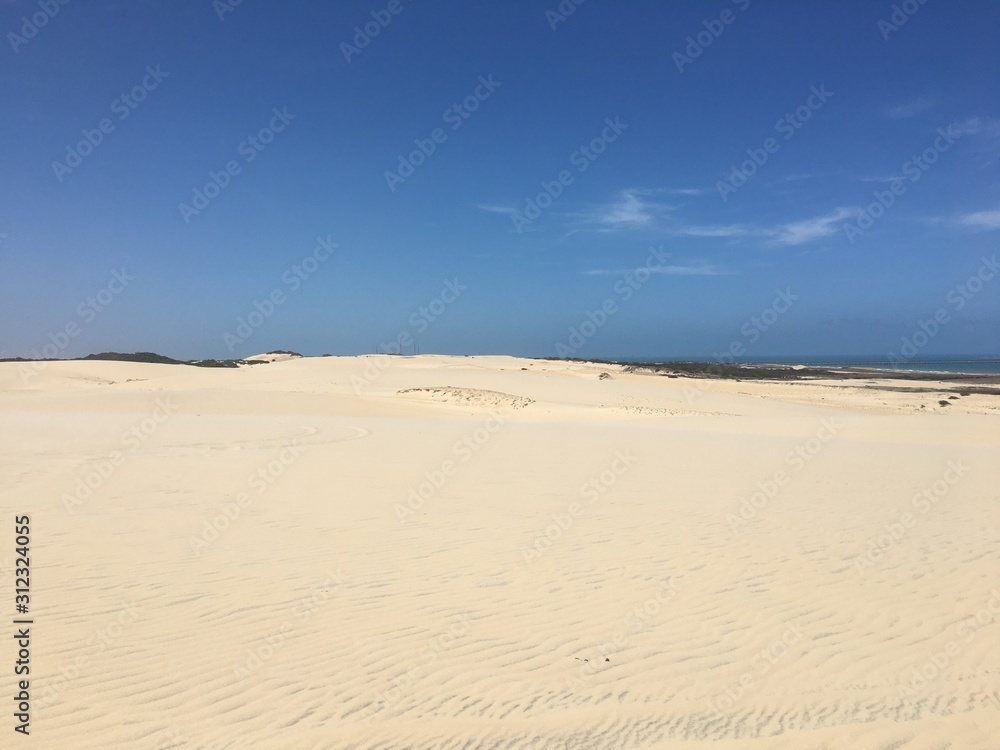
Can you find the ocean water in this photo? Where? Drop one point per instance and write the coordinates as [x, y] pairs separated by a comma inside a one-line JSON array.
[[926, 363]]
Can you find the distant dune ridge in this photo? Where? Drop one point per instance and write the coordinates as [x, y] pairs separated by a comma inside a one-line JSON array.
[[491, 552]]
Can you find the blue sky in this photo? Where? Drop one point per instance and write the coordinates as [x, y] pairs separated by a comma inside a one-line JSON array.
[[738, 138]]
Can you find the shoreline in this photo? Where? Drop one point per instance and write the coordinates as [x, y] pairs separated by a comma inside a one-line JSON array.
[[801, 372], [979, 383]]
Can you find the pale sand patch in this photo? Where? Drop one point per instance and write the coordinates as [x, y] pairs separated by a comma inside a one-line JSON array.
[[606, 520], [272, 357]]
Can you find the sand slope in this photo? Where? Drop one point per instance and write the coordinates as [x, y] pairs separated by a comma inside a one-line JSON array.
[[452, 552]]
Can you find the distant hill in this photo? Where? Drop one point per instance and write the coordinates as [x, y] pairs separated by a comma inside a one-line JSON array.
[[149, 358]]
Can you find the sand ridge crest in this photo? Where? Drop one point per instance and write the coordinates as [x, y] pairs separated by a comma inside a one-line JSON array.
[[478, 397]]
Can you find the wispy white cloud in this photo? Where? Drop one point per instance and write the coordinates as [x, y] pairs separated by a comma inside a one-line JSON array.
[[808, 230], [794, 178], [976, 126], [722, 230], [497, 209], [691, 191], [883, 179], [984, 134], [791, 233], [642, 209], [696, 270], [909, 109], [632, 209], [982, 220]]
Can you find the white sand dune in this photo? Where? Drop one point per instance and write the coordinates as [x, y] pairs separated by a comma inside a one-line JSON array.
[[486, 552], [273, 357]]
